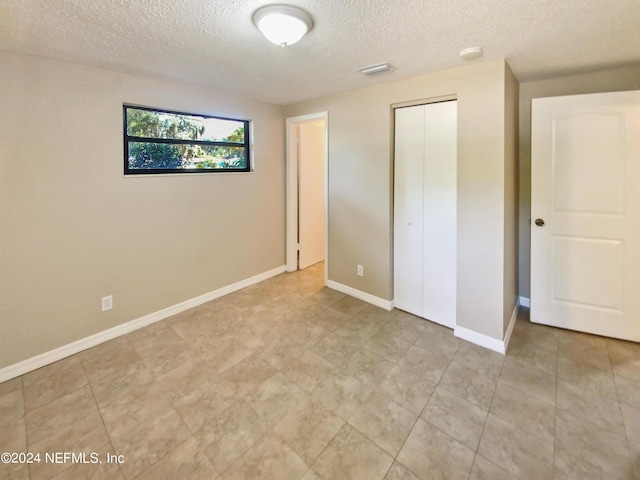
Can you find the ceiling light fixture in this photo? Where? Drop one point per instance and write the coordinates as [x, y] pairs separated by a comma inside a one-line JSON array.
[[373, 69], [282, 24], [470, 53]]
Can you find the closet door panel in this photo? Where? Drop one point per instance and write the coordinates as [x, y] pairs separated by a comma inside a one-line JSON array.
[[408, 208], [439, 221]]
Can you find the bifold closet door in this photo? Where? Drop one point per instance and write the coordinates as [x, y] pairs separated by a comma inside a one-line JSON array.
[[425, 211]]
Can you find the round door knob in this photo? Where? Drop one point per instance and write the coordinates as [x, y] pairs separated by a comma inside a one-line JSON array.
[[539, 222]]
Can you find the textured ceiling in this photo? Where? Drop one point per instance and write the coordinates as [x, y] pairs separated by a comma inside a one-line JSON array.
[[215, 43]]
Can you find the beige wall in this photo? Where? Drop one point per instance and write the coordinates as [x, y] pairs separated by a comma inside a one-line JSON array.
[[360, 185], [510, 197], [601, 81], [74, 229]]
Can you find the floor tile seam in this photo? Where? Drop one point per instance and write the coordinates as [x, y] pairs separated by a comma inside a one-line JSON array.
[[15, 380], [166, 455], [598, 467], [63, 371], [238, 399], [92, 378], [239, 457], [435, 385], [183, 338], [24, 406], [384, 394], [592, 369], [24, 417], [496, 413], [518, 477], [272, 431], [575, 421], [441, 431], [345, 423], [447, 367], [376, 443], [484, 424], [621, 402], [185, 422], [495, 382], [146, 420], [502, 467], [75, 420], [31, 408], [487, 377], [403, 465], [463, 399], [504, 356], [528, 394], [595, 392], [627, 377], [587, 420], [430, 396], [486, 417], [579, 348], [114, 448], [29, 467], [528, 363], [308, 392]]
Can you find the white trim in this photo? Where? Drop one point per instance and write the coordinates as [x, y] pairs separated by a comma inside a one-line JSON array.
[[479, 339], [33, 363], [292, 185], [512, 324], [486, 341], [525, 302], [360, 295]]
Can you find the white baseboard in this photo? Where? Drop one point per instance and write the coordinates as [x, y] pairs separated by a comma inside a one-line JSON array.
[[512, 323], [486, 341], [51, 356], [525, 302], [360, 295], [479, 339]]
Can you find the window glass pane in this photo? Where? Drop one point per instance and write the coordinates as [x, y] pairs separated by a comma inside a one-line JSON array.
[[152, 124], [149, 155]]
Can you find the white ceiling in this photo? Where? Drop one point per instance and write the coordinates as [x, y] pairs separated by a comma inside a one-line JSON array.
[[214, 42]]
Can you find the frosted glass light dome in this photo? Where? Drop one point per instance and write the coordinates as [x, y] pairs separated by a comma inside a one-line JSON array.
[[282, 24]]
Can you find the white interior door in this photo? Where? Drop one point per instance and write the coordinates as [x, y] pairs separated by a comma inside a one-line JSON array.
[[425, 211], [585, 205], [311, 193]]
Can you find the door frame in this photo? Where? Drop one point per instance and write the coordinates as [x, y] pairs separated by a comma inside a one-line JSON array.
[[292, 189]]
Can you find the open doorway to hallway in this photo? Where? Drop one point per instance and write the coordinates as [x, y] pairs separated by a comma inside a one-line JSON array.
[[307, 191]]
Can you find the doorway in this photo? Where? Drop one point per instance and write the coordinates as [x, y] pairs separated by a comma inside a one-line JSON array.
[[307, 200]]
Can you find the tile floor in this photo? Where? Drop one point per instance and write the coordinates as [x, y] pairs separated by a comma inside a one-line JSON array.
[[290, 380]]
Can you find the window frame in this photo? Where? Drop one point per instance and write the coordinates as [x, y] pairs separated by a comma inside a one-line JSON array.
[[159, 171]]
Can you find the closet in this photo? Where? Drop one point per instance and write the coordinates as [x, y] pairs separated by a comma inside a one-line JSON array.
[[425, 193]]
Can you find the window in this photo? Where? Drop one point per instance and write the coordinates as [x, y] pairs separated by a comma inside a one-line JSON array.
[[161, 141]]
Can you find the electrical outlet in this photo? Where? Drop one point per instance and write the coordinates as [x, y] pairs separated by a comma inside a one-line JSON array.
[[360, 271], [107, 303]]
